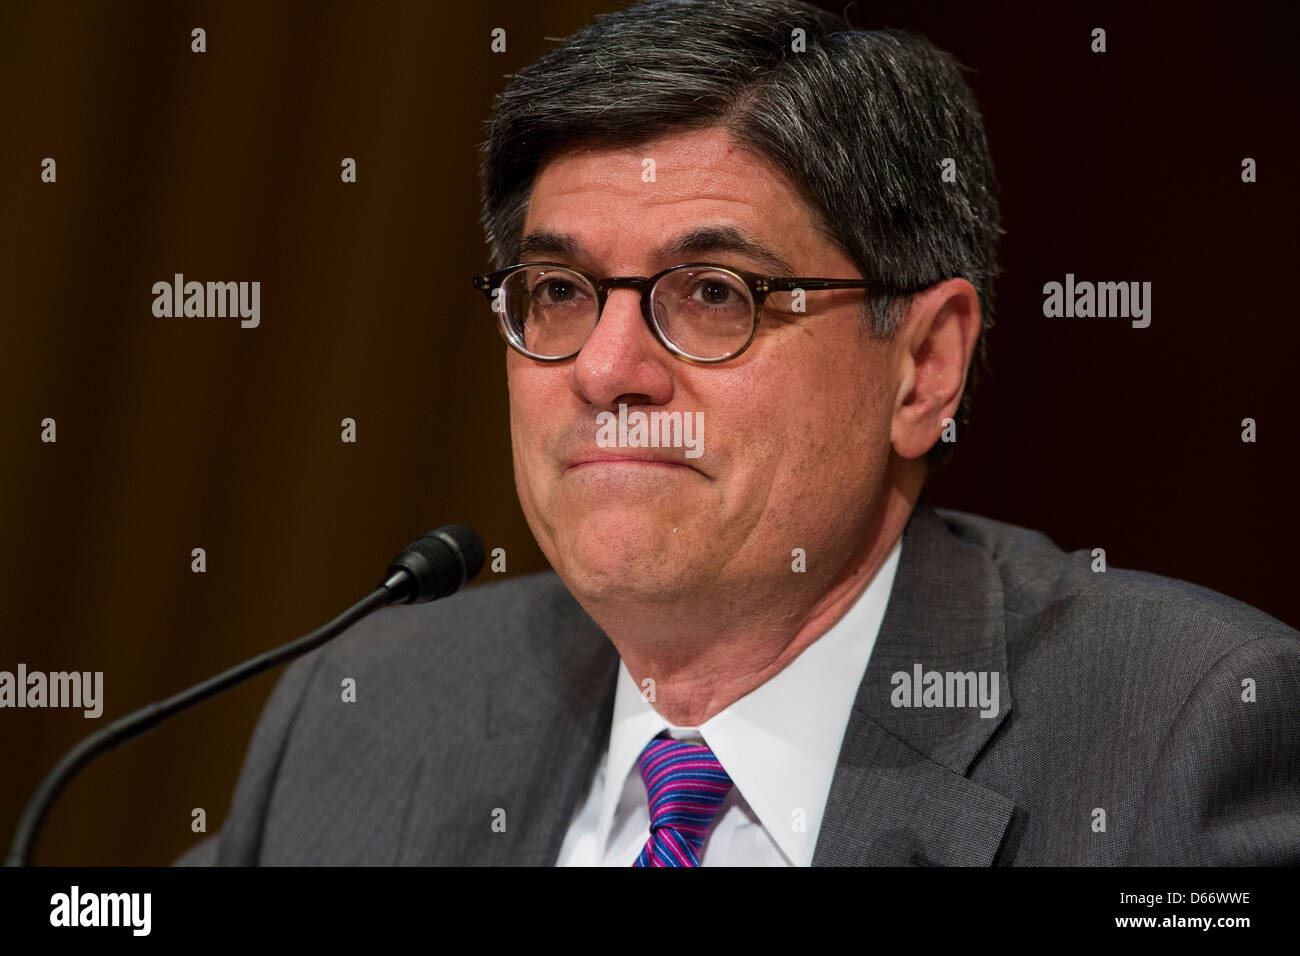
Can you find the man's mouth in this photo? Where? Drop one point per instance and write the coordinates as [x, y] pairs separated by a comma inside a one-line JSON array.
[[624, 459]]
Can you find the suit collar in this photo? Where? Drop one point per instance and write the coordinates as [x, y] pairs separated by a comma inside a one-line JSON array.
[[900, 793]]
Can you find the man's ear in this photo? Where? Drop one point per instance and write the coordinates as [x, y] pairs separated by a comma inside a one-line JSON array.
[[932, 353]]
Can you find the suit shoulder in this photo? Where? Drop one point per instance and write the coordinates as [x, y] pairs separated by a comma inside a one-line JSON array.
[[471, 630], [1052, 587]]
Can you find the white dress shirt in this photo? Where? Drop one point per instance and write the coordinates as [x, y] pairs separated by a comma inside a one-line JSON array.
[[779, 744]]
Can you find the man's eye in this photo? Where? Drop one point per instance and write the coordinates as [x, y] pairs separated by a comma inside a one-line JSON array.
[[555, 291], [714, 293]]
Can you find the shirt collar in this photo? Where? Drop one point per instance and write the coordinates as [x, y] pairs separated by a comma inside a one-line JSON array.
[[781, 741]]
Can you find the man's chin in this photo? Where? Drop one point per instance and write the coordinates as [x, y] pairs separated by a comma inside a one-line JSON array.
[[609, 587], [618, 554]]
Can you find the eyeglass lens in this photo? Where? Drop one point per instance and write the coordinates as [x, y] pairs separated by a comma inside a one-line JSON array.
[[705, 313]]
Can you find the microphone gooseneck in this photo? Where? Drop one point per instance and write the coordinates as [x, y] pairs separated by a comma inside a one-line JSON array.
[[434, 566]]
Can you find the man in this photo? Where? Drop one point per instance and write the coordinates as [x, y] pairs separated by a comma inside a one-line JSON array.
[[761, 644]]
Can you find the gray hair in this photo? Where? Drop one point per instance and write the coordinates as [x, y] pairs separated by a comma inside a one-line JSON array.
[[860, 121]]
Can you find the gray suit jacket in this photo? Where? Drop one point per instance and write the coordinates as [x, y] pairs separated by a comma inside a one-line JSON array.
[[1122, 737]]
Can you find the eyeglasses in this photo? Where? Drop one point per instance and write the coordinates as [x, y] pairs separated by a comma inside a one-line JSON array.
[[702, 313]]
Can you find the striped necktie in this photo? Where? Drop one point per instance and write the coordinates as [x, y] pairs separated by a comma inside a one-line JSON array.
[[686, 785]]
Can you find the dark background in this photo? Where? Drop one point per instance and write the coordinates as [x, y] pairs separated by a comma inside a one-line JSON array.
[[183, 433]]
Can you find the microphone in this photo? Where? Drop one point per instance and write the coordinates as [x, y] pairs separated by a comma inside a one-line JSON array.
[[436, 565], [433, 566]]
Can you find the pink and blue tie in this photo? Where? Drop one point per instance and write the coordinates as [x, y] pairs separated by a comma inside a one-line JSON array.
[[686, 785]]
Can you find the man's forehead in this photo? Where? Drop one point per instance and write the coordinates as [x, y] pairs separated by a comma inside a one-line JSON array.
[[699, 150], [689, 193], [683, 168]]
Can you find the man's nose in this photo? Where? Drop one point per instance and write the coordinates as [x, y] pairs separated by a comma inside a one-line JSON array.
[[622, 357]]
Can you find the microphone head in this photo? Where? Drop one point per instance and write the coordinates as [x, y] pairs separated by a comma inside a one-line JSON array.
[[436, 565]]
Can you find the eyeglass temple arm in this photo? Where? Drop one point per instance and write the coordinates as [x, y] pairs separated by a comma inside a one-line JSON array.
[[813, 284], [788, 285], [773, 284]]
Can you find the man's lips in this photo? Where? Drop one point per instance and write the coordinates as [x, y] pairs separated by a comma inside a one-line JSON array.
[[624, 458]]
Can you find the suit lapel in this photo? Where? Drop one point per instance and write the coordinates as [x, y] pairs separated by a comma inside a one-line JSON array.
[[900, 794], [508, 799]]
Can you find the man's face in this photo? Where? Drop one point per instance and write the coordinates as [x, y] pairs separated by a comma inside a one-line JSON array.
[[796, 429]]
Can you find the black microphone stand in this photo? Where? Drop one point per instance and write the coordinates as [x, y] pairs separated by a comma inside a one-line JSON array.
[[137, 722]]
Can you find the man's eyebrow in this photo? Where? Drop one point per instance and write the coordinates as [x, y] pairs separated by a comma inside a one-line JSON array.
[[543, 243], [709, 239], [702, 240]]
